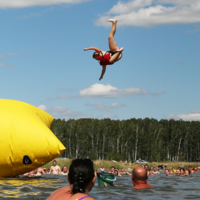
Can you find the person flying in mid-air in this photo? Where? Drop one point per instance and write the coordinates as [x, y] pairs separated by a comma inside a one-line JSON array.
[[108, 57]]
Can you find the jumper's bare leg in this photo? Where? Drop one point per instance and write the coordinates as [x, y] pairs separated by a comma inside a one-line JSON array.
[[117, 56], [112, 43]]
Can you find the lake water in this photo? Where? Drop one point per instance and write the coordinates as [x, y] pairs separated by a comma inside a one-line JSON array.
[[39, 188]]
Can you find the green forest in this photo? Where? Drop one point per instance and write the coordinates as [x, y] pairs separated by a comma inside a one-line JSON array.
[[148, 139]]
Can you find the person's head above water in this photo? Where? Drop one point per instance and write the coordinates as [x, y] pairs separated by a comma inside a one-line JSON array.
[[116, 172], [139, 178], [146, 167], [167, 172], [64, 169], [187, 173], [139, 173], [155, 169], [81, 175], [81, 178], [54, 162], [112, 169]]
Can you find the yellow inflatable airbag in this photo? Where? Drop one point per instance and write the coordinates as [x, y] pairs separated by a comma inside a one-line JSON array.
[[26, 142]]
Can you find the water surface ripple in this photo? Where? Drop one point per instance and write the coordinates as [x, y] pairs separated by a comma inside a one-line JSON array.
[[39, 188]]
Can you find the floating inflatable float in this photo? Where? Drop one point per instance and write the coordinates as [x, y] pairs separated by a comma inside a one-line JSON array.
[[26, 141]]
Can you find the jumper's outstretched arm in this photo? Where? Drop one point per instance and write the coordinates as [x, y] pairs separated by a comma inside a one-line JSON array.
[[103, 71], [93, 48]]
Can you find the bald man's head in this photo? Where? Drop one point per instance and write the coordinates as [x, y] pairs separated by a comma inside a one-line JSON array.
[[139, 173]]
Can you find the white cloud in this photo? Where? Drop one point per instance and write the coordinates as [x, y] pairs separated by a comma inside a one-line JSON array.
[[176, 2], [123, 8], [150, 13], [63, 112], [102, 106], [108, 91], [192, 116], [6, 65], [30, 3], [42, 107], [116, 105]]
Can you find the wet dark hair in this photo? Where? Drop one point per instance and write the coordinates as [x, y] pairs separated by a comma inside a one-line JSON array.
[[81, 172], [54, 161], [112, 167]]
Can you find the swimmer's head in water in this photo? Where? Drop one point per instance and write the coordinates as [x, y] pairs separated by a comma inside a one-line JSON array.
[[155, 169], [139, 173], [81, 175], [116, 172], [54, 162], [187, 172], [146, 167], [64, 169], [112, 169], [167, 171], [95, 55]]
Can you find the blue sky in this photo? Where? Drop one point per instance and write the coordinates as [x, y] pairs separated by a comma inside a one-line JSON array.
[[42, 61]]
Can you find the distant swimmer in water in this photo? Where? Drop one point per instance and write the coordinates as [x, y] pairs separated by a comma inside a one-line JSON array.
[[124, 173], [155, 171], [178, 172], [55, 169], [148, 169], [112, 169], [102, 169], [64, 171], [117, 173], [111, 56], [187, 173], [139, 178], [167, 172], [40, 171]]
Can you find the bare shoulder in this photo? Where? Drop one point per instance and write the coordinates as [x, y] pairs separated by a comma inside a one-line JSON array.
[[104, 52], [60, 193]]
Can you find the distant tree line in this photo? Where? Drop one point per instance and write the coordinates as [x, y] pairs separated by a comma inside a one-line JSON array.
[[131, 139]]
